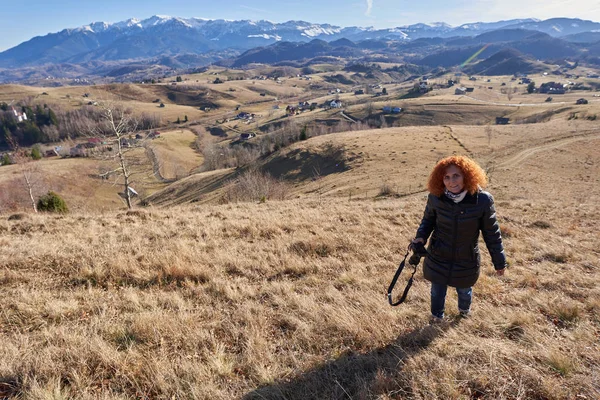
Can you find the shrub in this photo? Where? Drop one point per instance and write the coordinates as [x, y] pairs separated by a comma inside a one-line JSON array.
[[256, 186], [386, 190], [36, 153], [303, 133], [541, 224], [5, 160], [52, 202]]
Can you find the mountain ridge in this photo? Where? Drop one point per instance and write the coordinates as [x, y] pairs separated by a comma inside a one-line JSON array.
[[99, 49], [128, 39]]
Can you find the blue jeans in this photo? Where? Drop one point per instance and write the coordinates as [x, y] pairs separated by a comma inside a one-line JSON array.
[[438, 299]]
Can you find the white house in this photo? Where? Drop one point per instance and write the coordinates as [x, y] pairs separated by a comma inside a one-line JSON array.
[[335, 104]]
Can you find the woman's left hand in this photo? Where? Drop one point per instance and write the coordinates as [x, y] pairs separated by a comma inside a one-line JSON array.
[[500, 272]]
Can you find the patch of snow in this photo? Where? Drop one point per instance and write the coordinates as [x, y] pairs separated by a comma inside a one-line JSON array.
[[439, 25], [265, 36], [396, 30], [575, 25], [183, 21], [316, 30], [155, 20], [556, 28], [131, 22]]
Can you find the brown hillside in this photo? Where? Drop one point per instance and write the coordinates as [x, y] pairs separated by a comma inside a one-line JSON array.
[[286, 299]]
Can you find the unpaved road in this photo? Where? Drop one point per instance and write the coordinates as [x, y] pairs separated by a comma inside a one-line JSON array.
[[520, 156]]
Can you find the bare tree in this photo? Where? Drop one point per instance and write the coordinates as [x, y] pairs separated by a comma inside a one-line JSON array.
[[120, 125], [32, 181]]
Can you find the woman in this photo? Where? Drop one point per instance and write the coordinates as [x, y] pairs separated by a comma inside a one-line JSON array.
[[457, 210]]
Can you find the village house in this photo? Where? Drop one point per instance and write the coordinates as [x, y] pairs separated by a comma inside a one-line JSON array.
[[247, 136], [51, 153], [335, 104], [552, 88], [302, 105], [21, 116], [460, 90], [391, 110], [78, 151]]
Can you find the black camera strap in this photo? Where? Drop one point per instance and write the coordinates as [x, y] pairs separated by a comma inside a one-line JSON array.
[[395, 279]]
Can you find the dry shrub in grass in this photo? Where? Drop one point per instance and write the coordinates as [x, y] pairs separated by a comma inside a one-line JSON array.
[[592, 306], [517, 325], [254, 185], [311, 249], [541, 224], [560, 362], [386, 190], [561, 257], [8, 277], [141, 214], [507, 231], [563, 312], [10, 387], [18, 217]]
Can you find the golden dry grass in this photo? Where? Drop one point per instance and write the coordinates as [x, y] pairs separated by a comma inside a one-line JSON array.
[[287, 299], [175, 152]]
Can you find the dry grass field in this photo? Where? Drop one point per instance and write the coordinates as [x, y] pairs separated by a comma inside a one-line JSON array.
[[286, 299], [198, 296]]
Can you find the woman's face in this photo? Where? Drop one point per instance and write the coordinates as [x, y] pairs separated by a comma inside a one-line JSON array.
[[453, 179]]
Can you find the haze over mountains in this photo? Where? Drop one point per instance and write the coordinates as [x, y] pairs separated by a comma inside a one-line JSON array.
[[160, 43]]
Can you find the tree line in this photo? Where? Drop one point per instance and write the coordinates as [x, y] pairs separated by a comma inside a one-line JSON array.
[[48, 124]]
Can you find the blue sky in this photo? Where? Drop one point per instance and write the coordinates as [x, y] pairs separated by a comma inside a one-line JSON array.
[[24, 20]]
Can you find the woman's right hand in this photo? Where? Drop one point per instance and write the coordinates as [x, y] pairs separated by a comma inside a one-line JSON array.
[[415, 241]]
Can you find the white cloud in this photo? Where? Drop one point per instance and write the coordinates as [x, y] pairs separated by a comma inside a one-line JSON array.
[[369, 7]]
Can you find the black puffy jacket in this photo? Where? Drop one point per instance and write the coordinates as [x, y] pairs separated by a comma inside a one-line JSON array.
[[453, 249]]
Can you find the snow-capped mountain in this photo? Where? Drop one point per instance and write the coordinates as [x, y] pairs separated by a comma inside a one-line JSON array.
[[159, 35]]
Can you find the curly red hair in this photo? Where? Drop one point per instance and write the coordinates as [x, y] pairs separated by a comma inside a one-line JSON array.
[[474, 176]]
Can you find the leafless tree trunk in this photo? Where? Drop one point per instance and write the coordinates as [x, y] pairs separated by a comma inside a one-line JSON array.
[[27, 175], [31, 181], [120, 125]]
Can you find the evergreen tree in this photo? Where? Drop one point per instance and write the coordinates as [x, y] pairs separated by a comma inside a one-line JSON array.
[[36, 152], [303, 133], [52, 117], [5, 160], [52, 202], [31, 134]]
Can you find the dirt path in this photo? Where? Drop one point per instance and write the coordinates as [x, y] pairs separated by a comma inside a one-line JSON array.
[[450, 133], [519, 157], [552, 103], [150, 153]]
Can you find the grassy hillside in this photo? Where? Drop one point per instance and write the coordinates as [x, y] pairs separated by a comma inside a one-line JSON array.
[[286, 299]]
